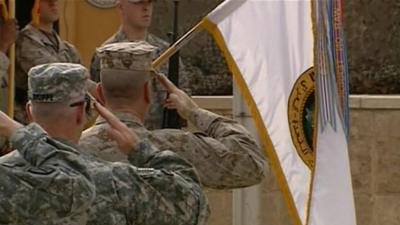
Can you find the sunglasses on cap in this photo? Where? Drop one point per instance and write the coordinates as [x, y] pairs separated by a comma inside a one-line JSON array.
[[89, 100]]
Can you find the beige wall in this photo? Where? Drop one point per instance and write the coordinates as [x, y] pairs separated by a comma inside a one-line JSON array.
[[94, 26], [374, 157]]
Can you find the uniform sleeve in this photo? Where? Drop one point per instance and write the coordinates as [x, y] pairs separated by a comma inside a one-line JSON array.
[[50, 189], [224, 153], [163, 182]]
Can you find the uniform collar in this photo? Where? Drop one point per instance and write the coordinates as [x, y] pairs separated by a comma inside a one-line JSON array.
[[38, 36], [127, 118]]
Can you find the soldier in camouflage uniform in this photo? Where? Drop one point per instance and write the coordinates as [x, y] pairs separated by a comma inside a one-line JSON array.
[[39, 44], [224, 153], [156, 187], [135, 20]]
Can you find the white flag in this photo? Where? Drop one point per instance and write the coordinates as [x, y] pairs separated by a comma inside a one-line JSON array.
[[271, 48]]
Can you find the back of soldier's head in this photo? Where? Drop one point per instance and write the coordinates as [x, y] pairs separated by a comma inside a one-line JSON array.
[[55, 87], [124, 69]]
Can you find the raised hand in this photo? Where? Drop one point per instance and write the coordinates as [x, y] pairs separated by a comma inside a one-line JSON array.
[[177, 98], [118, 131], [7, 125]]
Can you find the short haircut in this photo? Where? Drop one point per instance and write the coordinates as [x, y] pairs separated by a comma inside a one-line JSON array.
[[123, 85]]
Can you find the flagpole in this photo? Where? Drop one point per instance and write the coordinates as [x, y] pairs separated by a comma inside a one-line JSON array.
[[11, 71], [178, 45], [4, 11]]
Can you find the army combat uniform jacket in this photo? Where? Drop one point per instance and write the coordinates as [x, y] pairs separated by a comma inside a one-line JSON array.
[[157, 188], [154, 116], [223, 153], [40, 187]]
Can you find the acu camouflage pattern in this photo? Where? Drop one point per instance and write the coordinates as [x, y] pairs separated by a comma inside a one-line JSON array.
[[34, 47], [57, 82], [223, 153], [154, 117], [126, 56], [157, 188], [37, 187]]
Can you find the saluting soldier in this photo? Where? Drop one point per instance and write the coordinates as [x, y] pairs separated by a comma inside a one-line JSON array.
[[223, 152], [68, 187]]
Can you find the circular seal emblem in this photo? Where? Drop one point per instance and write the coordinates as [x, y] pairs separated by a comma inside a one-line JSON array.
[[301, 114], [103, 3]]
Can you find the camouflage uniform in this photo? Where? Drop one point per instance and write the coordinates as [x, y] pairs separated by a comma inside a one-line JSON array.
[[157, 187], [154, 117], [38, 186], [224, 153], [35, 47]]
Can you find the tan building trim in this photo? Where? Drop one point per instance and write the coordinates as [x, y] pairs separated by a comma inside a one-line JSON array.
[[356, 102]]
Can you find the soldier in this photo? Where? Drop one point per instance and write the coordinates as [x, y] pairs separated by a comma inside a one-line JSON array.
[[38, 44], [224, 153], [157, 187], [135, 18]]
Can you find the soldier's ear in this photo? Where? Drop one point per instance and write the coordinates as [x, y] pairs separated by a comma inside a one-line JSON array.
[[99, 94], [80, 114], [28, 111], [146, 93]]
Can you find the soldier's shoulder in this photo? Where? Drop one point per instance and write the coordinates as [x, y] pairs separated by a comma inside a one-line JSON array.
[[94, 137], [157, 41], [12, 158], [69, 45], [24, 35], [92, 133], [28, 30], [167, 138], [113, 39], [28, 38]]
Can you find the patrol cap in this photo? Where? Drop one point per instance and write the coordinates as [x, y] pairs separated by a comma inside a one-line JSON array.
[[127, 56], [57, 82]]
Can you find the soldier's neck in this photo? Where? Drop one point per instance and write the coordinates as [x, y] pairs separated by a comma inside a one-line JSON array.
[[47, 27], [133, 33], [133, 110], [60, 132]]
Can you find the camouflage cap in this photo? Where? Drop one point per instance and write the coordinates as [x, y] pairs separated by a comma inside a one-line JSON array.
[[127, 56], [57, 82]]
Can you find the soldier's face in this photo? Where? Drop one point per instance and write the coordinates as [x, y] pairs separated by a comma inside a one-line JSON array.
[[48, 10], [137, 14]]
